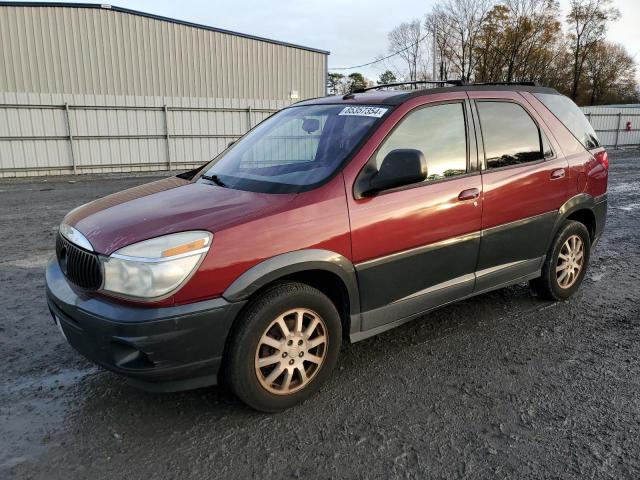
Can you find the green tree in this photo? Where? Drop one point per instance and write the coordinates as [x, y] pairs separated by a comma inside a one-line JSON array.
[[356, 81], [386, 77], [334, 83]]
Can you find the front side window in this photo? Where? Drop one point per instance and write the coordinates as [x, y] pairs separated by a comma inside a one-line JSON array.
[[295, 149], [510, 135], [439, 133]]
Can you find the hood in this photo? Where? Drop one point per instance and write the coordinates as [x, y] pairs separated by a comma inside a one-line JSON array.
[[167, 206]]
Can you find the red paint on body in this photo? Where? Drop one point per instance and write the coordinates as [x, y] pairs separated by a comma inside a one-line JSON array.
[[250, 227]]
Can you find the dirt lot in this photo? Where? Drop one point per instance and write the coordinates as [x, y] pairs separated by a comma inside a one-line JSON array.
[[501, 385]]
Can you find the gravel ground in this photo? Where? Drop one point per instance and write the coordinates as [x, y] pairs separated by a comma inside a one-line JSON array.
[[501, 385]]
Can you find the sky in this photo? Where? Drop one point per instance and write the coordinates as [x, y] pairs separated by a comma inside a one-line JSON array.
[[354, 32]]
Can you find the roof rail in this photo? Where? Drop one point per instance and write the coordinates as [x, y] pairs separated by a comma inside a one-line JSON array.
[[526, 83], [457, 83]]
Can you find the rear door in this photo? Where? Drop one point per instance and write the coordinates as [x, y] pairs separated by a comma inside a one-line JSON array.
[[525, 181], [416, 247]]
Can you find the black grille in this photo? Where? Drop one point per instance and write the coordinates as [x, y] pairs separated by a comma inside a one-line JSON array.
[[82, 268]]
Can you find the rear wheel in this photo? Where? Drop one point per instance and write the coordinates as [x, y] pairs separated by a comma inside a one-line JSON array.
[[284, 348], [566, 262]]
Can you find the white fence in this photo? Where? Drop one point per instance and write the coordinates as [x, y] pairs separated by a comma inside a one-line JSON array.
[[62, 138], [55, 138], [616, 126]]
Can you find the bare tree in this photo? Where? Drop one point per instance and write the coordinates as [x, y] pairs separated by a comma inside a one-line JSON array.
[[609, 75], [439, 31], [407, 39], [517, 40], [458, 25], [588, 23]]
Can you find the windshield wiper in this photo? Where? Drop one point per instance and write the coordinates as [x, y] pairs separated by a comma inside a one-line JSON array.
[[215, 179]]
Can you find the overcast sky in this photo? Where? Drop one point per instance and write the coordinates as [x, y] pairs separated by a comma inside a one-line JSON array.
[[354, 32]]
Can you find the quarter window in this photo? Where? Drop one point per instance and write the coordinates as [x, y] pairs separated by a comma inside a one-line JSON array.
[[439, 133], [572, 117], [510, 135]]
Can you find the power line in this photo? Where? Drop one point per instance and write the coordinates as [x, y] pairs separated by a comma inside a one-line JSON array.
[[383, 58]]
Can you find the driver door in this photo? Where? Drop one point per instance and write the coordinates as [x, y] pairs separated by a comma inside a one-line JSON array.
[[416, 247]]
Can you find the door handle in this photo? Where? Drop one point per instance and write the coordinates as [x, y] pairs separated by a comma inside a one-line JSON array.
[[469, 194], [557, 174]]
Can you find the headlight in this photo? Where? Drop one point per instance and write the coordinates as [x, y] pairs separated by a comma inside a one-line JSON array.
[[155, 267]]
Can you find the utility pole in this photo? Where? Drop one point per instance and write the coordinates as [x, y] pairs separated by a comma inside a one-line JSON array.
[[434, 69]]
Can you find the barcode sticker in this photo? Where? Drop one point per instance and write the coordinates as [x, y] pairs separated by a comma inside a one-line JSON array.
[[364, 111]]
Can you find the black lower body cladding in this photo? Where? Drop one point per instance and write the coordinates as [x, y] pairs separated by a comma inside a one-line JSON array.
[[600, 213], [158, 349]]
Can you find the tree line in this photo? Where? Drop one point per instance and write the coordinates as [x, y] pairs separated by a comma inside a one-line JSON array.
[[510, 41]]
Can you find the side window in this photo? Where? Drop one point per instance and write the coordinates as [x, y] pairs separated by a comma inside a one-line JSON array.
[[510, 135], [572, 117], [439, 133]]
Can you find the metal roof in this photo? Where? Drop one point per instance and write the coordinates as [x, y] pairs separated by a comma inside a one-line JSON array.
[[157, 17]]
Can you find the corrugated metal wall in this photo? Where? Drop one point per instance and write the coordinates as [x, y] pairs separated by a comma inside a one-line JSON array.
[[610, 123], [103, 90]]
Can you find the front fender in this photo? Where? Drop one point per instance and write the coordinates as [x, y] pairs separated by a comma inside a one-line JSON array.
[[293, 262]]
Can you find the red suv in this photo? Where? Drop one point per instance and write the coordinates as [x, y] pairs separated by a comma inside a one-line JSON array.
[[339, 217]]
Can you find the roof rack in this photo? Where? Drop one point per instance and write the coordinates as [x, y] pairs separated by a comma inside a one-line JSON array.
[[456, 83], [526, 83]]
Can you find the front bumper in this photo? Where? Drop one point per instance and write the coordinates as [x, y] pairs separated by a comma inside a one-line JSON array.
[[158, 349]]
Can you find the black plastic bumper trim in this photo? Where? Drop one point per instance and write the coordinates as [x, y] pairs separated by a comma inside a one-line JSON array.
[[171, 348]]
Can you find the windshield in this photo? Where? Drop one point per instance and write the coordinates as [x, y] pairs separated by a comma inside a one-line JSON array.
[[295, 149]]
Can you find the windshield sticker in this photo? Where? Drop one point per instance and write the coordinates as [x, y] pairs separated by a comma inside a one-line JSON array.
[[363, 111]]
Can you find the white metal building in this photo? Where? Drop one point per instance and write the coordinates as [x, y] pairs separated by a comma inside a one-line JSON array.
[[91, 88]]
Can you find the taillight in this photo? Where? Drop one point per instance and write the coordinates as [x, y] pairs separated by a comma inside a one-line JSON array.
[[603, 159]]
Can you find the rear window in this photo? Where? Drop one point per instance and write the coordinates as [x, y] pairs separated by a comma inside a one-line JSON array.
[[572, 117]]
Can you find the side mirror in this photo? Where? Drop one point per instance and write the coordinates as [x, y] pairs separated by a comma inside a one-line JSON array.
[[400, 167]]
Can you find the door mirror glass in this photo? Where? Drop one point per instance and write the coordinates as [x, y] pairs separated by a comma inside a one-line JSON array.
[[400, 167]]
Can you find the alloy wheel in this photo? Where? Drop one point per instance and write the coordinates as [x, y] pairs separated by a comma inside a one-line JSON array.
[[291, 351], [570, 261]]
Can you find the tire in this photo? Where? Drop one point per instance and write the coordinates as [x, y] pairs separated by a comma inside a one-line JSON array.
[[552, 285], [300, 308]]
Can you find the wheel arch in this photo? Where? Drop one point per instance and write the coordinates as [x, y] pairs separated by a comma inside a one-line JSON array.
[[328, 271], [579, 208]]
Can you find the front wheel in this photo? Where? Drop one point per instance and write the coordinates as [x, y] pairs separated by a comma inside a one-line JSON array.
[[566, 262], [285, 346]]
